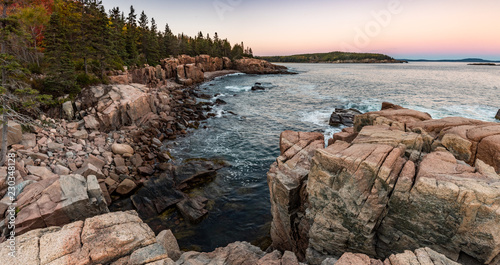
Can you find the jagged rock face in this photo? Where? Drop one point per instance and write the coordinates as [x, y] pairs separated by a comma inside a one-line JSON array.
[[348, 188], [256, 66], [405, 181], [56, 201], [421, 256], [238, 253], [449, 206], [187, 70], [188, 74], [119, 105], [286, 180]]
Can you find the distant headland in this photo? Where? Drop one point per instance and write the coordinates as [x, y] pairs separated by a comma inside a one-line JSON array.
[[333, 57], [466, 60]]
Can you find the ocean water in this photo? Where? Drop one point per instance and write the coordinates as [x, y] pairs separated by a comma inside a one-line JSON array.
[[245, 132]]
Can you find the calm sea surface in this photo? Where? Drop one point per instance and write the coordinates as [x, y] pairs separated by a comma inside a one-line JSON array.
[[245, 131]]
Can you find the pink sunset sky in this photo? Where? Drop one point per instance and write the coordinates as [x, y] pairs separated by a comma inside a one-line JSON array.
[[411, 29]]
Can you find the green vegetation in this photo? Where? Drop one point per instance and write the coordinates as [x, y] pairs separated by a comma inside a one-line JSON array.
[[327, 57], [62, 46]]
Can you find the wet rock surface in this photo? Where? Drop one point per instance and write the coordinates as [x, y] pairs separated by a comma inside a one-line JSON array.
[[343, 117]]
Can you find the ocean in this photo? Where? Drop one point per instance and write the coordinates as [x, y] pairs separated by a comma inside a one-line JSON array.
[[245, 131]]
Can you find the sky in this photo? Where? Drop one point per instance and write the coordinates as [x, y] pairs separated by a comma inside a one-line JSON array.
[[409, 29]]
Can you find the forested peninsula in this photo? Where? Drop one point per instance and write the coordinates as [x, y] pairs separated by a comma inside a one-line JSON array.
[[333, 57]]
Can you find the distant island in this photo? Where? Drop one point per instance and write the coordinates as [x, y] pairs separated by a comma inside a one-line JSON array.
[[466, 60], [487, 64], [333, 57]]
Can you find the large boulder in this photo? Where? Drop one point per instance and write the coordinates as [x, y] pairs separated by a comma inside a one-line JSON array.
[[368, 198], [14, 133], [188, 74], [209, 64], [54, 202], [103, 239], [194, 73], [167, 239], [227, 63], [157, 194], [116, 105], [68, 111], [343, 117], [257, 66], [193, 171], [121, 149], [237, 253], [396, 117]]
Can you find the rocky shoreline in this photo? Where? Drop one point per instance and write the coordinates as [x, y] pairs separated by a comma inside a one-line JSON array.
[[300, 183], [109, 145], [396, 188], [398, 180]]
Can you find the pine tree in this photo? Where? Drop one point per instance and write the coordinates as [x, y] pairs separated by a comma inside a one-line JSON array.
[[170, 43], [143, 38], [237, 51], [103, 45], [117, 38], [94, 33], [61, 71], [130, 38], [154, 48]]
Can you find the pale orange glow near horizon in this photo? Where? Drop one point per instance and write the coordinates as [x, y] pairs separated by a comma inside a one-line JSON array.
[[399, 28]]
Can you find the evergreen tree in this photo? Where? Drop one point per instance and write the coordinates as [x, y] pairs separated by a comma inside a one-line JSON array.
[[154, 44], [117, 38], [131, 38], [105, 55], [237, 52], [94, 33], [170, 43], [61, 71]]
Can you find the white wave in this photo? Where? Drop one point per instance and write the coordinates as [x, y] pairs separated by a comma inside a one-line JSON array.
[[218, 96], [218, 111], [235, 74], [317, 117], [330, 132], [478, 112], [238, 88]]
